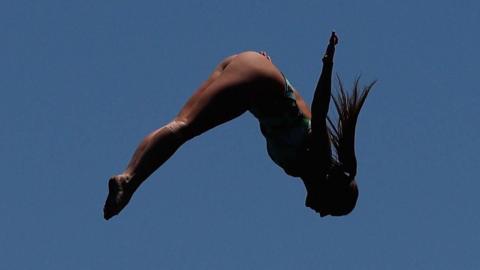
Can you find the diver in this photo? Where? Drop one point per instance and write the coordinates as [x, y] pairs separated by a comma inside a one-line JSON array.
[[299, 140]]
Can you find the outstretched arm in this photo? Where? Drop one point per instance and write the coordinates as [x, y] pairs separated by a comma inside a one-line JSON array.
[[321, 99]]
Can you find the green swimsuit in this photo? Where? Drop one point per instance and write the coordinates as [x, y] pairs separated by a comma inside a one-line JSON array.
[[286, 130]]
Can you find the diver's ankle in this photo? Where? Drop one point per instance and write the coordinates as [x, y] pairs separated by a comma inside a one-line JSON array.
[[130, 181]]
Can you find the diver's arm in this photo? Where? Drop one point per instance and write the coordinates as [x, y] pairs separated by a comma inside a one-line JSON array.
[[321, 99]]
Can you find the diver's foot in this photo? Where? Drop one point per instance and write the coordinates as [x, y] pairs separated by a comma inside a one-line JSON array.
[[120, 191]]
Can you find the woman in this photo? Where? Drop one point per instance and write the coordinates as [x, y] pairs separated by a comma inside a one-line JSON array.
[[298, 140]]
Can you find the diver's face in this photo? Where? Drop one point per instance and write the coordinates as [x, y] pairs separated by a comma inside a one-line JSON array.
[[316, 200], [318, 206], [330, 198], [323, 212]]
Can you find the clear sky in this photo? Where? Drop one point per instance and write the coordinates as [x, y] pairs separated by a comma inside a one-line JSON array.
[[83, 81]]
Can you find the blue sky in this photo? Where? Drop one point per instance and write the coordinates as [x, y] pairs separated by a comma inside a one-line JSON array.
[[83, 82]]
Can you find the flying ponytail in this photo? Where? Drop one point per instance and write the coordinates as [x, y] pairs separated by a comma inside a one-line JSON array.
[[342, 135]]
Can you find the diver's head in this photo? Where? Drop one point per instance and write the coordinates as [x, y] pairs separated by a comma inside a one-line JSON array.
[[335, 194], [334, 191]]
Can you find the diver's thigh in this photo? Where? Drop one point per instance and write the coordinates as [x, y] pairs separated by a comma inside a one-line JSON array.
[[226, 98], [247, 79], [217, 72]]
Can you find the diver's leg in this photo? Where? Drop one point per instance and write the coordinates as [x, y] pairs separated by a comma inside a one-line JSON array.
[[159, 145], [225, 97]]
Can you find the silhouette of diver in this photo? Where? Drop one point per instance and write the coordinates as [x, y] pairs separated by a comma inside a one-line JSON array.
[[299, 141]]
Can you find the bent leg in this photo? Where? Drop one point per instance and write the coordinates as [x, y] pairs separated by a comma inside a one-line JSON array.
[[223, 97]]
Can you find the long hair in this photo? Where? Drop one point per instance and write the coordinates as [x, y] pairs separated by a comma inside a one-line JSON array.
[[342, 135]]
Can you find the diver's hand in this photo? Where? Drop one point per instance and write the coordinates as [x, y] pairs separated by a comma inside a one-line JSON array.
[[330, 52], [333, 39]]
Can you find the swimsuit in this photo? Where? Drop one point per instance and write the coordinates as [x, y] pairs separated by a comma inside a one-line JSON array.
[[286, 130]]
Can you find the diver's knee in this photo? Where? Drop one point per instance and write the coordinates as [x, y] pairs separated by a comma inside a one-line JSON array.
[[179, 128]]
